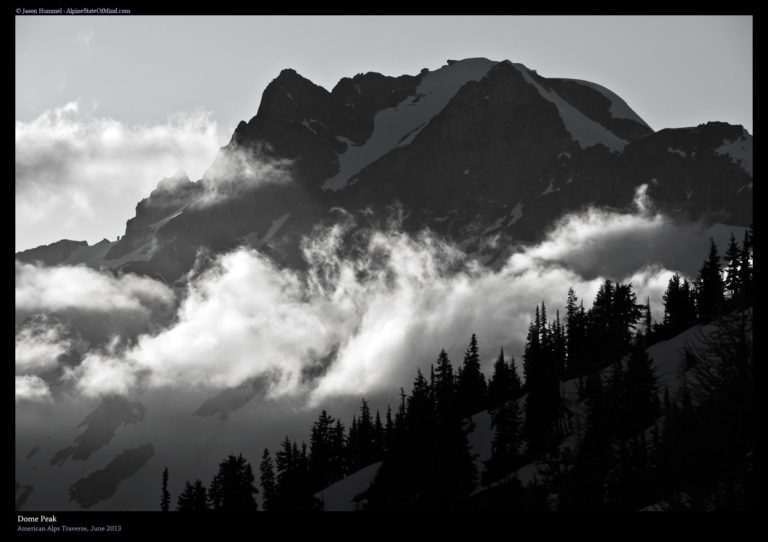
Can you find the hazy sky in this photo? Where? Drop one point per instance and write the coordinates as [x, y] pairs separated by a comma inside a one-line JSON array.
[[128, 75]]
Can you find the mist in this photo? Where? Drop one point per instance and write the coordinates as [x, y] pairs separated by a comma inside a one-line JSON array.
[[356, 322]]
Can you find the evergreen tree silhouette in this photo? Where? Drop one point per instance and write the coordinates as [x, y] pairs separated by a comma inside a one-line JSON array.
[[558, 346], [267, 482], [445, 387], [504, 448], [542, 404], [733, 262], [745, 270], [321, 450], [389, 430], [648, 322], [471, 382], [194, 498], [710, 286], [377, 440], [337, 467], [165, 498], [504, 384], [575, 329], [641, 406], [233, 487]]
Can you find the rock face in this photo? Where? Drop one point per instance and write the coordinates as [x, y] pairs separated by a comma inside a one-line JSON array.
[[52, 254], [102, 484], [99, 428], [473, 149]]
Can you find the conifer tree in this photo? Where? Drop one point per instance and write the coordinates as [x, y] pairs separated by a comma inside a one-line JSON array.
[[267, 481], [165, 498], [471, 383], [194, 498], [233, 488], [505, 445], [641, 405], [745, 270], [504, 384], [710, 286], [733, 261]]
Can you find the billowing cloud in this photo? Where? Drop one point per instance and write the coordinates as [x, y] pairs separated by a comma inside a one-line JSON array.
[[31, 388], [369, 307], [59, 288], [40, 343], [104, 373], [599, 242], [84, 173], [238, 169]]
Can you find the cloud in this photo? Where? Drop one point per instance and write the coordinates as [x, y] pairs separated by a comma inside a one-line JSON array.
[[59, 288], [599, 242], [103, 373], [370, 306], [39, 345], [77, 173], [237, 169], [31, 388]]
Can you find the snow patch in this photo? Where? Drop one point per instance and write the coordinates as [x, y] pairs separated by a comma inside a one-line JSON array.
[[517, 214], [550, 189], [495, 226], [739, 150], [565, 155], [667, 356], [340, 496], [253, 237], [141, 254], [748, 185], [160, 223], [307, 124], [583, 130], [677, 151], [619, 108], [441, 218], [399, 125]]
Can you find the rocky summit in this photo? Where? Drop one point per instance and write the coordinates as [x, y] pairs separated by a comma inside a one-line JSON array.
[[474, 150]]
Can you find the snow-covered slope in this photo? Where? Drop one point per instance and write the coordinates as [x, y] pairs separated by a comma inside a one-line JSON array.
[[583, 130], [619, 108], [399, 125], [340, 496]]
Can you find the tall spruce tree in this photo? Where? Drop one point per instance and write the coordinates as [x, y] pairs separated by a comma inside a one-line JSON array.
[[234, 486], [471, 383], [505, 446], [267, 482], [165, 496], [194, 498], [733, 261], [710, 286], [321, 449], [641, 405], [504, 384]]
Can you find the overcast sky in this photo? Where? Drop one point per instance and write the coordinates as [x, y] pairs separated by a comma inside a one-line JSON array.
[[148, 95]]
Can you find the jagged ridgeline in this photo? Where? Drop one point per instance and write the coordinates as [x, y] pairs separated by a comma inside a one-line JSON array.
[[473, 150], [608, 410]]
